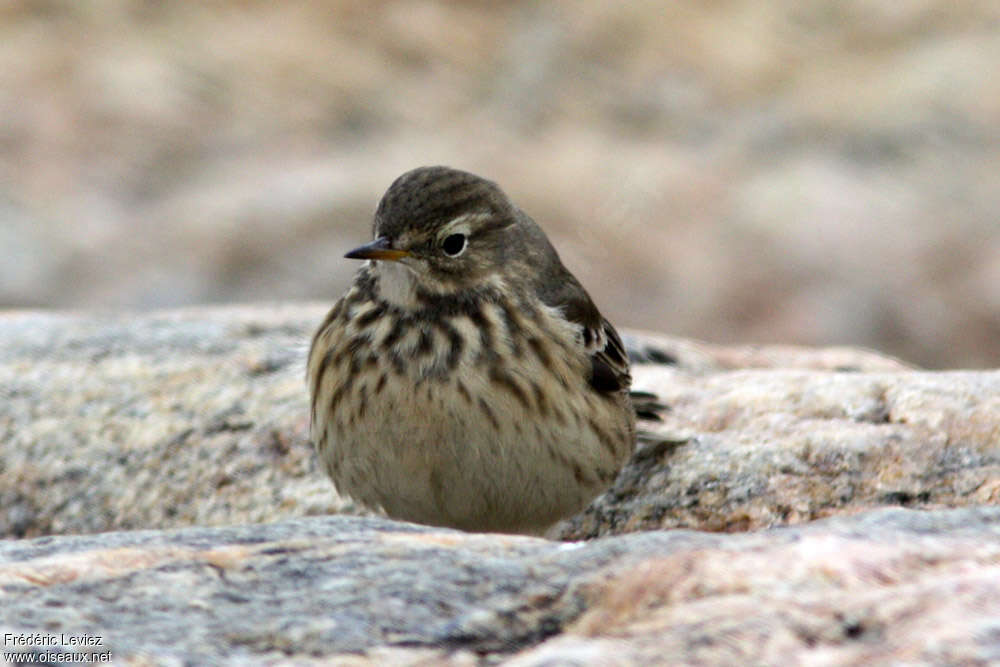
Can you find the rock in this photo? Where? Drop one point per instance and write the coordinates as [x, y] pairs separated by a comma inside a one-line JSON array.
[[191, 426], [199, 417], [173, 418], [775, 170], [751, 448], [893, 585]]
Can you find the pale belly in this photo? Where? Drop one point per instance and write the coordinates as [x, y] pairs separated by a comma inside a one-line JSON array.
[[480, 457]]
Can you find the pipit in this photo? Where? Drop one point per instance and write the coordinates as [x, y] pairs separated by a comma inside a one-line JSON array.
[[466, 379]]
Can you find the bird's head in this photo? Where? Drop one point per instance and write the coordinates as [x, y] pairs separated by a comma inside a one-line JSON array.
[[442, 231]]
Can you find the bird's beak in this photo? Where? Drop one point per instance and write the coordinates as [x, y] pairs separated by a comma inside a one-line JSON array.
[[380, 248]]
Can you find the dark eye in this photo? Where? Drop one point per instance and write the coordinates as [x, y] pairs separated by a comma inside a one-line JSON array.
[[453, 244]]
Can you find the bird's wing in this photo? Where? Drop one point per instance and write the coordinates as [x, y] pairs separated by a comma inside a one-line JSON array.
[[608, 360], [560, 289]]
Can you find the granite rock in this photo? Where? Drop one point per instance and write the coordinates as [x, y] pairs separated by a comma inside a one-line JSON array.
[[172, 418], [890, 586], [815, 435], [783, 171], [198, 417], [183, 433]]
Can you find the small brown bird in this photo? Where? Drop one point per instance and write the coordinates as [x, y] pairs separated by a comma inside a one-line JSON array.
[[466, 379]]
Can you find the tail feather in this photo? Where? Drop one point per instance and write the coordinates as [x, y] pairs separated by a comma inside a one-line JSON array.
[[647, 406]]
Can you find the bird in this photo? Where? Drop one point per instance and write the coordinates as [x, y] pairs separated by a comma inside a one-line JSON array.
[[466, 379]]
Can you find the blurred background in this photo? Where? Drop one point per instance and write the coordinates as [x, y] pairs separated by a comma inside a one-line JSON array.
[[735, 171]]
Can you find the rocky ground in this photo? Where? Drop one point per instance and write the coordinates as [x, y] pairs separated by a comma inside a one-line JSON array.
[[184, 433], [819, 172], [888, 587]]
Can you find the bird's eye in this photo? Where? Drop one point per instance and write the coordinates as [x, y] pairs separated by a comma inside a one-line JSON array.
[[453, 244]]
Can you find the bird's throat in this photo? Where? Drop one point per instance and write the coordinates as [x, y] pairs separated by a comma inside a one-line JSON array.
[[397, 284]]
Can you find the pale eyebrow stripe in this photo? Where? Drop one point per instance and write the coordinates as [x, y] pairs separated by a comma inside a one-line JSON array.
[[464, 219]]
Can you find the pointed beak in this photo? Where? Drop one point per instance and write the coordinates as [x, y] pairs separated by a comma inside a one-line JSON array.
[[380, 248]]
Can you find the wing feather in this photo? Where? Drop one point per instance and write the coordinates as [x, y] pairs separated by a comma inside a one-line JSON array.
[[608, 361]]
